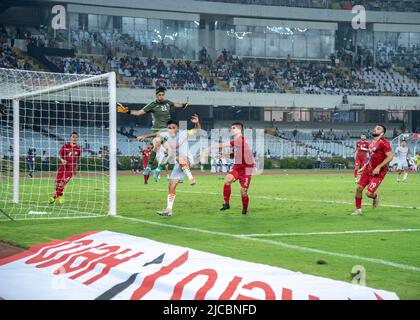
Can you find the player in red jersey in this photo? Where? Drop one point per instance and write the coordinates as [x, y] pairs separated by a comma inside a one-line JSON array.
[[145, 155], [375, 170], [243, 168], [69, 155], [360, 155]]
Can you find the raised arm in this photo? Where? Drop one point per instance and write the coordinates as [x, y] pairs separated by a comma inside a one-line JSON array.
[[181, 105], [146, 136], [220, 145], [124, 109], [184, 105], [197, 126]]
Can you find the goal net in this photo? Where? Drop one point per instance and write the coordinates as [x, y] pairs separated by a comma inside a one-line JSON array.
[[38, 113]]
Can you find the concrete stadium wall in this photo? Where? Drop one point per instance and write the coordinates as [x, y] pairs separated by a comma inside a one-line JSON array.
[[256, 11], [141, 96]]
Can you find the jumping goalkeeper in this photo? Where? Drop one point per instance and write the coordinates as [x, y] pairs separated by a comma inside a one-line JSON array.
[[161, 114]]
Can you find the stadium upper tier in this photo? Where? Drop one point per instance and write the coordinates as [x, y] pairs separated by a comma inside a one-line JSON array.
[[395, 71], [377, 5]]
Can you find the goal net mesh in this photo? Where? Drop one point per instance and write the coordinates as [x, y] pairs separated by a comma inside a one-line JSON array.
[[52, 106]]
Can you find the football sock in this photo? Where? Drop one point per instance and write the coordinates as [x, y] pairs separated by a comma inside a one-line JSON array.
[[187, 171], [146, 177], [405, 176], [59, 191], [245, 200], [358, 203], [163, 163], [226, 192], [171, 200], [355, 173]]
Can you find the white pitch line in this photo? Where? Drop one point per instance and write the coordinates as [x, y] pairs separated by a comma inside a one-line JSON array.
[[327, 233], [284, 199], [276, 243]]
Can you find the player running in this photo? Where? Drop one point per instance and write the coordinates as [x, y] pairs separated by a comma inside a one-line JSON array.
[[360, 155], [69, 155], [182, 162], [145, 155], [401, 154], [375, 170], [242, 169], [160, 108]]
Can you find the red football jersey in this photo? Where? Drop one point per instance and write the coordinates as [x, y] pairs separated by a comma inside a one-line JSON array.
[[360, 145], [378, 150], [145, 154], [71, 154], [242, 152]]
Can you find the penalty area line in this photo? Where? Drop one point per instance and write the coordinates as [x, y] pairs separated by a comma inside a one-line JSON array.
[[275, 243]]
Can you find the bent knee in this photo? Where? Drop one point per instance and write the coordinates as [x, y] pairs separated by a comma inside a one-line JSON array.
[[369, 194], [229, 179], [244, 191], [173, 183]]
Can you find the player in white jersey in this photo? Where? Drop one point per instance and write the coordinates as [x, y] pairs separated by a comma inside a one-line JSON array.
[[401, 155], [177, 148]]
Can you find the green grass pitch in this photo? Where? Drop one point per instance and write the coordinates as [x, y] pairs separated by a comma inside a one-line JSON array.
[[280, 207]]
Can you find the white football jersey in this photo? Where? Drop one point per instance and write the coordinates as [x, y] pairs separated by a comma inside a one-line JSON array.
[[401, 153]]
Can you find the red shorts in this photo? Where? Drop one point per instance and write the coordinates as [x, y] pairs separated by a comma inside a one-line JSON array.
[[372, 182], [145, 164], [360, 161], [242, 173], [63, 175]]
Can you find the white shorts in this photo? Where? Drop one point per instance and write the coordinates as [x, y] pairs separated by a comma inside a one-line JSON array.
[[177, 173], [402, 164]]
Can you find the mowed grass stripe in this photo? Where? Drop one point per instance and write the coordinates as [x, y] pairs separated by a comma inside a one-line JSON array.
[[276, 243]]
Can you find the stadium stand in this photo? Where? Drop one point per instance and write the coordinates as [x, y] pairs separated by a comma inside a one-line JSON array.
[[356, 74], [376, 5]]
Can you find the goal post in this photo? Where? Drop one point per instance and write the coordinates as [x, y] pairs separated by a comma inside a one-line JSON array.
[[41, 110]]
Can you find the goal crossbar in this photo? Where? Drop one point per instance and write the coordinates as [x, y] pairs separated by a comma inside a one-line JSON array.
[[15, 98], [63, 86]]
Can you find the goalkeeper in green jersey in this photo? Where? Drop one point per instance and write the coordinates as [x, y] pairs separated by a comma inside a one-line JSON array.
[[161, 114]]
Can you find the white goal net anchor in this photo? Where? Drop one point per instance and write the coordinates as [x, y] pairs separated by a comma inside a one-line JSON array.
[[39, 111]]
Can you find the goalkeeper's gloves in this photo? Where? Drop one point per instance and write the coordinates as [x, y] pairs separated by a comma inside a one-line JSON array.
[[122, 108]]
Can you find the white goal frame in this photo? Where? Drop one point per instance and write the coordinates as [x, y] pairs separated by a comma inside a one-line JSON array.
[[111, 79]]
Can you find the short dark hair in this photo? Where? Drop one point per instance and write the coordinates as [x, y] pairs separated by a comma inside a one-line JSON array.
[[160, 89], [238, 124], [383, 127], [172, 122], [74, 132]]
